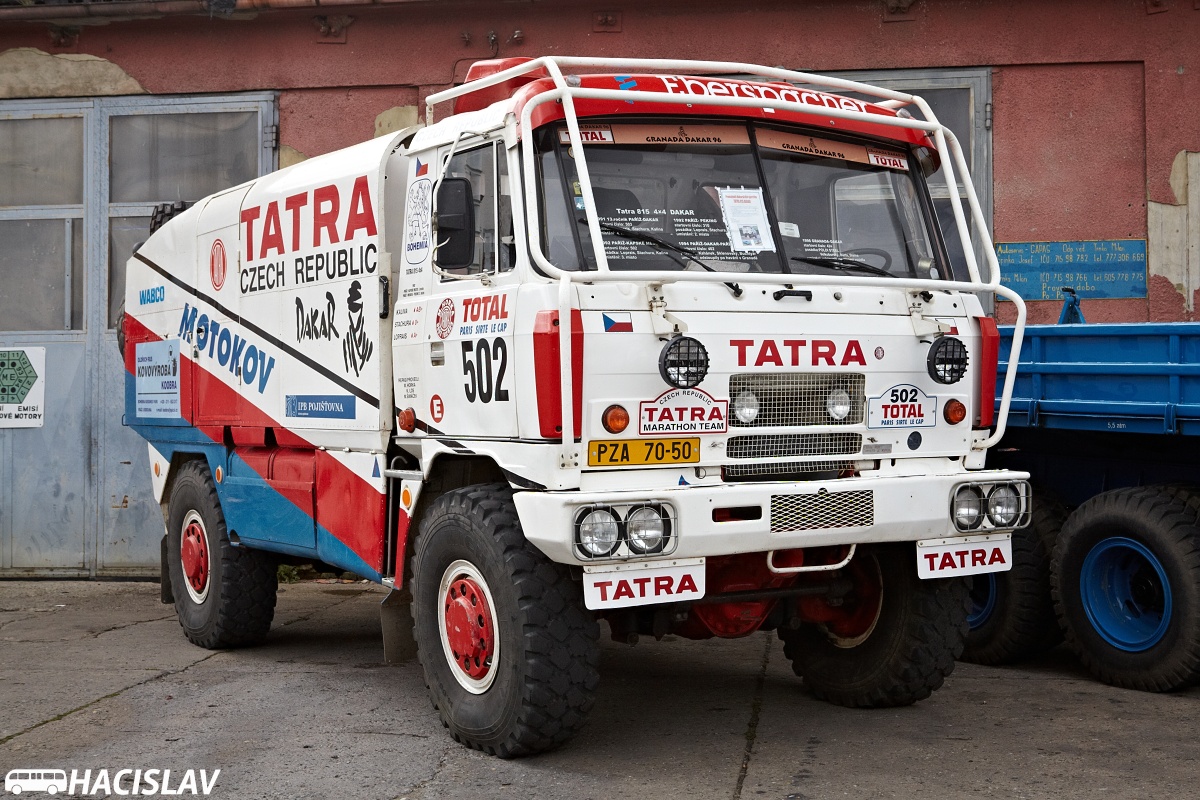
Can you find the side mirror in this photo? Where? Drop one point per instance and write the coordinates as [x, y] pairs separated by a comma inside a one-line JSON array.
[[455, 224]]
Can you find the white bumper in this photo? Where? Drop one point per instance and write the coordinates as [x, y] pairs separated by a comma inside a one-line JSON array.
[[881, 509]]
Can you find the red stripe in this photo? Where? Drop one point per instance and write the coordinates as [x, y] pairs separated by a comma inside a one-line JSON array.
[[990, 357], [347, 506], [547, 374]]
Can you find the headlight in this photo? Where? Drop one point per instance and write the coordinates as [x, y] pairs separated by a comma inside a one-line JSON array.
[[683, 362], [598, 532], [647, 530], [947, 361], [968, 508], [745, 406], [838, 404], [1004, 505]]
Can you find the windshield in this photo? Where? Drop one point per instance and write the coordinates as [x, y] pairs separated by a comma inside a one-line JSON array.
[[735, 198]]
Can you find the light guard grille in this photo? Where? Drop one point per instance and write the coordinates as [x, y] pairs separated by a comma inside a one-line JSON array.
[[794, 445], [798, 398], [806, 512]]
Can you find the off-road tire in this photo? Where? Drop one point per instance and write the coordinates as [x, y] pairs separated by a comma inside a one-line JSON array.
[[1022, 622], [545, 682], [242, 583], [1163, 521], [905, 657], [164, 212]]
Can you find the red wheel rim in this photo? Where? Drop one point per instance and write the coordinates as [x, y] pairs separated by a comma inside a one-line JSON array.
[[470, 631], [194, 556], [857, 624]]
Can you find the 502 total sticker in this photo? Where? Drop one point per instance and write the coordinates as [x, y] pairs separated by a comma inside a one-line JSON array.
[[902, 406]]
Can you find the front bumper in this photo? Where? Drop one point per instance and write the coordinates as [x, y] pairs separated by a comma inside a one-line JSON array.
[[817, 513]]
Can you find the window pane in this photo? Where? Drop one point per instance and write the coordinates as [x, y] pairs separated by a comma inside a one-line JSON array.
[[32, 273], [123, 234], [159, 157], [478, 166], [41, 162]]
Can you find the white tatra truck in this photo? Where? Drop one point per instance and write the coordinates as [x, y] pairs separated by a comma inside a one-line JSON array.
[[620, 340]]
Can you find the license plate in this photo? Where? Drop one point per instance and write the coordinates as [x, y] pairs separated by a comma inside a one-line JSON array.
[[641, 584], [639, 452], [964, 555]]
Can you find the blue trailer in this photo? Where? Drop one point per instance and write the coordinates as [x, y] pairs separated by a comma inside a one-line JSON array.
[[1106, 418]]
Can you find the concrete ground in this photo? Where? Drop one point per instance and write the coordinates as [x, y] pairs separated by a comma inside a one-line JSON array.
[[99, 676]]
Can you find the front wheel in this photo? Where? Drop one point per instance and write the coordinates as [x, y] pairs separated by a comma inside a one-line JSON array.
[[897, 642], [509, 652], [1012, 615], [1126, 581]]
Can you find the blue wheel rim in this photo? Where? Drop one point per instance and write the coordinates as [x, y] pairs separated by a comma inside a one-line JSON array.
[[983, 600], [1126, 594]]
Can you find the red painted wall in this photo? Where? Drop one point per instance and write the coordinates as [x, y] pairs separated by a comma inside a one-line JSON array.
[[1093, 98]]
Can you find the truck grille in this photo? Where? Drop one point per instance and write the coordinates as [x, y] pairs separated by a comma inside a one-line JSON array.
[[784, 470], [804, 512], [794, 445], [797, 398]]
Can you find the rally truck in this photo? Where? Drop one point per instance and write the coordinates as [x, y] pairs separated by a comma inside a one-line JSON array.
[[678, 346]]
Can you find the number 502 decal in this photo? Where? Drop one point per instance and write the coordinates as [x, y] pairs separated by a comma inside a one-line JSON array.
[[477, 367]]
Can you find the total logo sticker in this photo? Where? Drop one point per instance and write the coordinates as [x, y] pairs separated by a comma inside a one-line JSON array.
[[902, 406], [445, 318]]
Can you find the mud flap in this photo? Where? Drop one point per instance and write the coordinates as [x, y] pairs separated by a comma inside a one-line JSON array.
[[395, 618], [164, 578]]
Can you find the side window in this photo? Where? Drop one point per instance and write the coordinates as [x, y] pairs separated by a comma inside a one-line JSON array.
[[487, 170], [41, 223]]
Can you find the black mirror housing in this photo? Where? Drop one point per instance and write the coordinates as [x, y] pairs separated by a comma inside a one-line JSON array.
[[455, 224]]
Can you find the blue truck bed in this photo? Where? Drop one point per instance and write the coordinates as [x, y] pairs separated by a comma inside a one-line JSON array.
[[1134, 377]]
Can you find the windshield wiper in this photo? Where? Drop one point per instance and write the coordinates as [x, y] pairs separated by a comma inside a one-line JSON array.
[[843, 264], [639, 236]]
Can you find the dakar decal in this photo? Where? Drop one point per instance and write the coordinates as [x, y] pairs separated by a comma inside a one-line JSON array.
[[357, 346]]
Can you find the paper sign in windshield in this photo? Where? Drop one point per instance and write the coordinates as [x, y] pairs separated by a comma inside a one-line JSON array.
[[746, 220], [658, 134]]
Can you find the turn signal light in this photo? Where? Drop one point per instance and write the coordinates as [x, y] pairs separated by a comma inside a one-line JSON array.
[[615, 419], [406, 420], [954, 412]]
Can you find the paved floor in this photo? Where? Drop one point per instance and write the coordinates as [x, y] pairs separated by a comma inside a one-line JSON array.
[[99, 676]]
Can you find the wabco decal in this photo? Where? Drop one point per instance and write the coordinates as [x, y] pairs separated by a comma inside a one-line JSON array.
[[797, 353], [213, 340], [155, 294]]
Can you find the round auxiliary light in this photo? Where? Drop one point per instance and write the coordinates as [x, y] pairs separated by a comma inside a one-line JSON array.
[[968, 508], [954, 411], [598, 532], [746, 407], [615, 419], [647, 530], [1004, 505], [838, 404], [683, 362], [947, 361]]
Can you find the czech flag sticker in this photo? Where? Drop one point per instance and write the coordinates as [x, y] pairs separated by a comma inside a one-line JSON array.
[[618, 322], [422, 169]]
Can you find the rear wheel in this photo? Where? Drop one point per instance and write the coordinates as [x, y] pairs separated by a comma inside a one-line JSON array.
[[224, 595], [1126, 581], [897, 642], [509, 652], [1012, 616]]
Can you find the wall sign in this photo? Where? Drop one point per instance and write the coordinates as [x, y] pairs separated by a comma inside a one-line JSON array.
[[1094, 269], [23, 387]]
